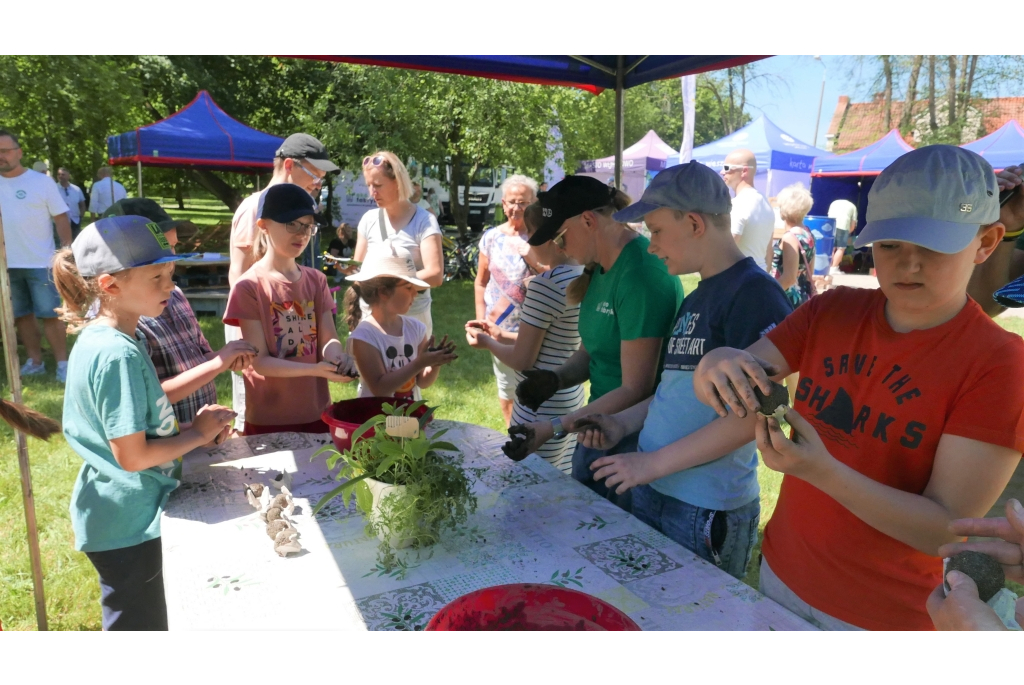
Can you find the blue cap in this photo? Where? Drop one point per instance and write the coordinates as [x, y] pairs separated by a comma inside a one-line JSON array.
[[120, 242], [690, 187]]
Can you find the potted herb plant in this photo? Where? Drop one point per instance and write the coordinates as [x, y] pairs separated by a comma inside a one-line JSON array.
[[410, 490]]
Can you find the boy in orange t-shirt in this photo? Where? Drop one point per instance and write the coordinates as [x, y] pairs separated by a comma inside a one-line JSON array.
[[908, 413]]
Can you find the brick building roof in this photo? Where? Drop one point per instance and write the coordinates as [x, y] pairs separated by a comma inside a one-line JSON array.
[[856, 124]]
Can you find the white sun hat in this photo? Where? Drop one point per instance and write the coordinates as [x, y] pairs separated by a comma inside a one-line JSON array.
[[395, 267]]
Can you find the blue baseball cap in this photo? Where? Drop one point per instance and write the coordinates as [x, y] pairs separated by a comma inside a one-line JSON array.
[[284, 202], [936, 196], [118, 243], [690, 187]]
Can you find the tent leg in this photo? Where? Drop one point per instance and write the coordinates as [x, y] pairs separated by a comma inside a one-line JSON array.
[[14, 377], [620, 74], [139, 169], [258, 183]]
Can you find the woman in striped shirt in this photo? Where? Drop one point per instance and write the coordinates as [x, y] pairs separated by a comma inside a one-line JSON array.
[[547, 337]]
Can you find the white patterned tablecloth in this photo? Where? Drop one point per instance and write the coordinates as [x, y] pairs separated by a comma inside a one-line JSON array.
[[532, 524]]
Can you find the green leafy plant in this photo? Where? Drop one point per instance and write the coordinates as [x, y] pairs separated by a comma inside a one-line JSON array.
[[436, 495]]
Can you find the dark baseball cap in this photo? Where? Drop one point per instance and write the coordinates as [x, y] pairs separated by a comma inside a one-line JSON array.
[[305, 146], [690, 187], [284, 202], [117, 243], [143, 206], [570, 197]]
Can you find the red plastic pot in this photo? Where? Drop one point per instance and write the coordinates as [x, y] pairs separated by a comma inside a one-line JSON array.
[[346, 416], [525, 606]]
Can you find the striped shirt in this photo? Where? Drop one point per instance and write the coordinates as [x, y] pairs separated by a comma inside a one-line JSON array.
[[545, 307], [176, 344]]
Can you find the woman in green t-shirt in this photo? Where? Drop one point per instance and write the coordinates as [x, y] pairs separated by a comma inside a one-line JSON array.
[[628, 303]]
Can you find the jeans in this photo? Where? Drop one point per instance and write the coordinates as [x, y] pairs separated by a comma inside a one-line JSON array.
[[132, 587], [33, 292], [583, 457], [723, 538]]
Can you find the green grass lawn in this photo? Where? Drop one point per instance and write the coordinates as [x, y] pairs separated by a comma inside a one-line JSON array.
[[465, 391]]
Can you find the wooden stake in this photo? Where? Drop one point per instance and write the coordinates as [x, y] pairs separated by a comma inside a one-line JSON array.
[[10, 341]]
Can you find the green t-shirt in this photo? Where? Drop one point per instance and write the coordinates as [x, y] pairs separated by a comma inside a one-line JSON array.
[[113, 391], [636, 298]]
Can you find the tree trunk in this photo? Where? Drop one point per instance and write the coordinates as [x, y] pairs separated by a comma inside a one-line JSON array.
[[460, 209], [906, 118], [887, 95], [968, 84], [220, 188], [952, 89], [932, 123], [178, 194], [729, 128]]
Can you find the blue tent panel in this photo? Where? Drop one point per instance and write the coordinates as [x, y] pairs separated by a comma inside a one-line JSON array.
[[772, 147], [199, 135], [867, 161], [1003, 147]]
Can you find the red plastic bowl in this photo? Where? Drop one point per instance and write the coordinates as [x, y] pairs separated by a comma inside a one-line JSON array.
[[525, 606], [346, 416]]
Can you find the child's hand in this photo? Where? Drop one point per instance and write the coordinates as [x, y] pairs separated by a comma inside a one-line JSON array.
[[237, 355], [725, 377], [476, 338], [804, 456], [1009, 551], [329, 370], [484, 326], [211, 419], [1011, 215], [439, 357], [625, 470], [961, 608], [599, 431]]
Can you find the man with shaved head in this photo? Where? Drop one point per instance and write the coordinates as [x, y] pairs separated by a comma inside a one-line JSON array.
[[752, 217]]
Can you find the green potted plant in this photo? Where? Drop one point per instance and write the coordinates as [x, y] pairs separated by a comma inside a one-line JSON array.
[[410, 490]]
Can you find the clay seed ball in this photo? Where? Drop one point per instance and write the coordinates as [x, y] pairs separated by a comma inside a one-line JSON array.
[[986, 572], [273, 514], [275, 527], [779, 397], [279, 501]]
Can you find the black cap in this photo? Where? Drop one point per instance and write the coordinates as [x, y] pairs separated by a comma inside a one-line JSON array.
[[143, 206], [570, 197], [305, 146], [284, 202]]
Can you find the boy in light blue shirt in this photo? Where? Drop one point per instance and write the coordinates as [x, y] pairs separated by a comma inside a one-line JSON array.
[[695, 476]]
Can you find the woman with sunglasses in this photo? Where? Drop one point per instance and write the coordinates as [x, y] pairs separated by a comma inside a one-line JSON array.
[[628, 304], [501, 277], [398, 228]]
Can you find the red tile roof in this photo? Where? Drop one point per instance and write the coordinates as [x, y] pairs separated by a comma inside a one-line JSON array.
[[862, 123]]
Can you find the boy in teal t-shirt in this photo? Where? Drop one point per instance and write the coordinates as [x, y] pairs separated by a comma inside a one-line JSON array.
[[118, 418]]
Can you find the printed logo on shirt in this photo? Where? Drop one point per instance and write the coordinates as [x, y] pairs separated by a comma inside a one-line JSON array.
[[168, 422], [605, 308], [20, 194], [837, 418], [396, 360], [294, 326]]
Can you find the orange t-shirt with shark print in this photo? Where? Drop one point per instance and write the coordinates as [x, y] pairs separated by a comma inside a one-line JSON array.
[[880, 400]]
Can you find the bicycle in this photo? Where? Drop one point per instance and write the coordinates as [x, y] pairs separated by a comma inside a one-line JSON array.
[[460, 256]]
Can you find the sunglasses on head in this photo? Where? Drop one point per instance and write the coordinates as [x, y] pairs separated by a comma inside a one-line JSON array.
[[376, 160], [729, 167]]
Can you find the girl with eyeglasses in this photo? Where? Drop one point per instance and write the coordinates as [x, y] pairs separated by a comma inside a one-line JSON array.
[[398, 228], [285, 312]]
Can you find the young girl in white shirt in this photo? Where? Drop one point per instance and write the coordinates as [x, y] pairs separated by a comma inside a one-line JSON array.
[[394, 354]]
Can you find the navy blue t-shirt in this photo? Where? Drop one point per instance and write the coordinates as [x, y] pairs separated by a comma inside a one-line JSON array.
[[734, 308]]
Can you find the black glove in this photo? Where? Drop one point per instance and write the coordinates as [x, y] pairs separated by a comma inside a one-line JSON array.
[[518, 447], [537, 388]]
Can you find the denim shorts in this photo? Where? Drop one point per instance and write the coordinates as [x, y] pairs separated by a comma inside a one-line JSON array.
[[33, 292], [583, 457], [724, 538]]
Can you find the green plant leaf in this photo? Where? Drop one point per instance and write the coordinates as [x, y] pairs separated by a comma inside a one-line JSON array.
[[426, 418], [337, 491], [322, 450], [363, 428], [364, 498], [442, 446]]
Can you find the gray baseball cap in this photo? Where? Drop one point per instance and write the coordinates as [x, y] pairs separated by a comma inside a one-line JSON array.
[[937, 197], [120, 242], [690, 187]]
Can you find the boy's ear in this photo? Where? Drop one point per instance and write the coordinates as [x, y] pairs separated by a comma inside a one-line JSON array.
[[108, 284], [695, 222], [991, 237]]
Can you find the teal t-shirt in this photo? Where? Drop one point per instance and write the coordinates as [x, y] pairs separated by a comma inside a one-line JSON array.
[[113, 391], [636, 298]]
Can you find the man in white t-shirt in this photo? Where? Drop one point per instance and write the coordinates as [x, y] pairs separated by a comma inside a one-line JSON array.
[[74, 198], [845, 214], [30, 205], [303, 161], [753, 219], [418, 199], [105, 192]]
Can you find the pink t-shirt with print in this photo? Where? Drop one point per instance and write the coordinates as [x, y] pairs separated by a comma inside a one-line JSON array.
[[290, 314]]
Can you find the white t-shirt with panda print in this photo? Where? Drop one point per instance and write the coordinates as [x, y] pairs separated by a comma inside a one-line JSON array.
[[396, 351]]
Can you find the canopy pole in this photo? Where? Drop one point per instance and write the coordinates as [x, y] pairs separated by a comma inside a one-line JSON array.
[[257, 181], [14, 377], [139, 169], [620, 74]]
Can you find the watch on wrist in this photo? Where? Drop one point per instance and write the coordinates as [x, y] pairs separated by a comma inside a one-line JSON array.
[[557, 429]]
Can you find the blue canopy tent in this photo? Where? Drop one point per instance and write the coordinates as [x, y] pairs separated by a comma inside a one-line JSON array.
[[850, 176], [592, 73], [200, 135], [1003, 147], [781, 158]]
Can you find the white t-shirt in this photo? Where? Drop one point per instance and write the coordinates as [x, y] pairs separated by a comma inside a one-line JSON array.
[[405, 243], [395, 351], [99, 195], [753, 220], [72, 196], [243, 223], [28, 202], [845, 214]]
